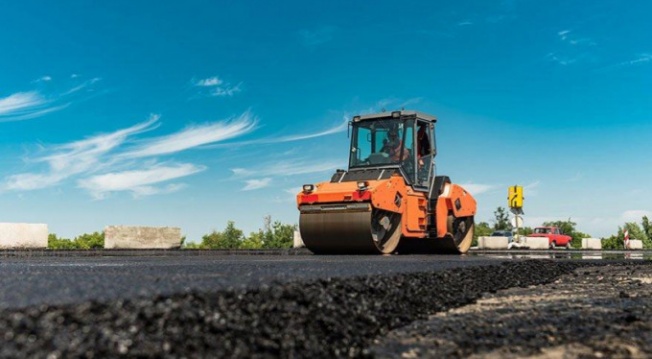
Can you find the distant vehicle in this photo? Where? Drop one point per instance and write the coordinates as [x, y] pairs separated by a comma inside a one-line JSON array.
[[508, 234], [555, 237]]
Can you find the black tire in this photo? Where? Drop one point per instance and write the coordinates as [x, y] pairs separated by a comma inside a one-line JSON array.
[[553, 245]]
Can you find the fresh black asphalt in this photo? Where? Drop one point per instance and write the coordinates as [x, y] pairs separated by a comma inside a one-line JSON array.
[[53, 280], [247, 306]]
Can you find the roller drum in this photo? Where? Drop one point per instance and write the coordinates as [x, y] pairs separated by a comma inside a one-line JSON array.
[[348, 229]]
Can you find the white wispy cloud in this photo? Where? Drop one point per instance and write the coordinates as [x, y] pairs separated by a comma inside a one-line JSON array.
[[43, 79], [287, 168], [531, 188], [195, 136], [138, 182], [464, 23], [217, 87], [336, 129], [290, 167], [642, 58], [82, 86], [570, 38], [75, 158], [574, 49], [209, 82], [639, 60], [563, 35], [562, 60], [241, 172], [21, 103], [79, 156], [27, 105], [341, 127], [113, 162], [31, 181], [254, 184], [227, 90], [476, 188], [635, 215]]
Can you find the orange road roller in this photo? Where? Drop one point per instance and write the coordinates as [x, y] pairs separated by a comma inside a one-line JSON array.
[[389, 200]]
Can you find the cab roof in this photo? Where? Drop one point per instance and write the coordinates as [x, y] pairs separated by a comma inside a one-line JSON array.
[[402, 114]]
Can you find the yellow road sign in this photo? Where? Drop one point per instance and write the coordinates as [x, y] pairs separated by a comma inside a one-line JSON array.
[[515, 197]]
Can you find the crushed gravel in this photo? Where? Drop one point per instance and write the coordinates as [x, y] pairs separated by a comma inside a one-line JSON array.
[[600, 312], [320, 318]]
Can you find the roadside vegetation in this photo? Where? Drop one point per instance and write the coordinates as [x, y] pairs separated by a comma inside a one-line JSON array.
[[85, 241], [501, 221], [279, 235]]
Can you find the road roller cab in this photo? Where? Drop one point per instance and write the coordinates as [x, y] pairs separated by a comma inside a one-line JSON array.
[[389, 199]]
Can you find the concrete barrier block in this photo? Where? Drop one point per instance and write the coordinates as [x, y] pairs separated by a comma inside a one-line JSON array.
[[127, 237], [635, 244], [23, 235], [536, 242], [493, 242], [591, 243], [298, 241]]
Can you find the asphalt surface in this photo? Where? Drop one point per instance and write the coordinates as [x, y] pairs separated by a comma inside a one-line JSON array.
[[316, 306], [57, 280], [600, 312]]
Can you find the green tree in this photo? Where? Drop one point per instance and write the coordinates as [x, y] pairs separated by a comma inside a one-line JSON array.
[[254, 241], [636, 232], [212, 240], [501, 219], [612, 242], [230, 238], [93, 240], [525, 231], [192, 245], [279, 236], [647, 228], [481, 229], [568, 228], [60, 243], [616, 241]]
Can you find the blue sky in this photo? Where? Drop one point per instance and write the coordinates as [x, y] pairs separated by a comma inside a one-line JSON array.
[[193, 113]]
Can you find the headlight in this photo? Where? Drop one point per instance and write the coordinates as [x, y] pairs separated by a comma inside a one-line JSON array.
[[363, 185], [308, 188]]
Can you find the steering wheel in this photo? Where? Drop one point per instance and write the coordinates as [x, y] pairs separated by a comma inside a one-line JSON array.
[[378, 158]]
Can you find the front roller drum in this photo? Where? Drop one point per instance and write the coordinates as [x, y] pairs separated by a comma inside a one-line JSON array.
[[457, 241], [349, 229]]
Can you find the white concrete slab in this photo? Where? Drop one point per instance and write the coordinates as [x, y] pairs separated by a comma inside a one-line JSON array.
[[493, 242], [23, 235], [635, 244], [591, 243], [536, 242], [298, 241], [133, 237]]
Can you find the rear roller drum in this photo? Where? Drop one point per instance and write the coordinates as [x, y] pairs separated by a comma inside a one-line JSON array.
[[385, 230], [461, 230], [457, 241]]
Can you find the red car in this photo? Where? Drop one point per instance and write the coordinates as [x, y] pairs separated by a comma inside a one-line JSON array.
[[555, 237]]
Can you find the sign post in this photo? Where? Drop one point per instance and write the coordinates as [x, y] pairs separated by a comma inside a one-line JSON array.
[[515, 202]]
